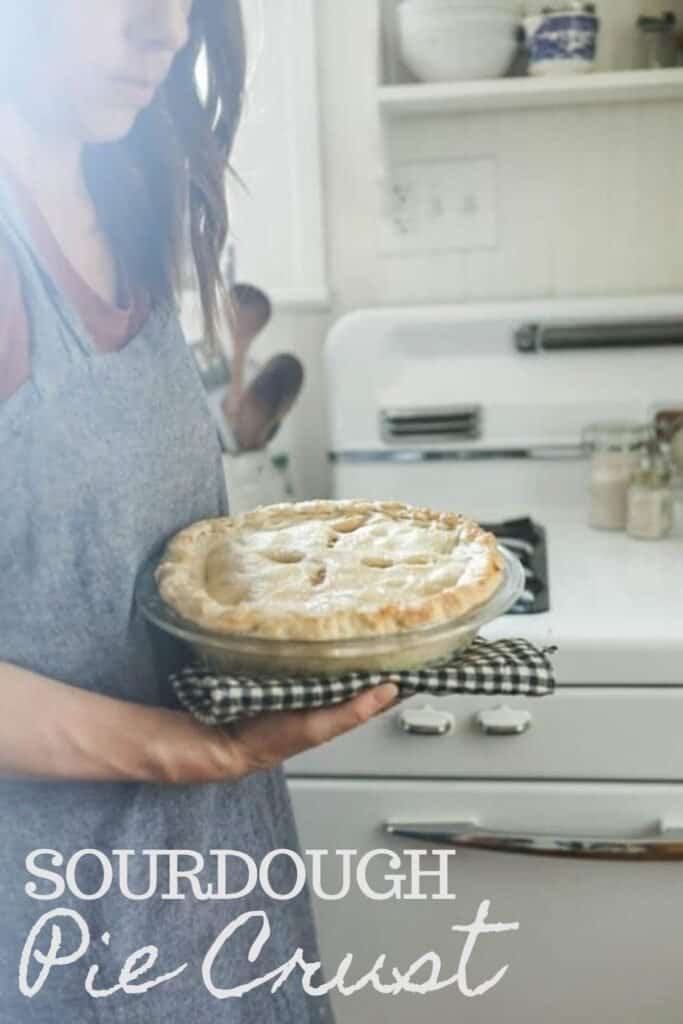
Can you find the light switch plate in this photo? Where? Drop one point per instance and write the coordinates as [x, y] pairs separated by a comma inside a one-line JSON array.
[[439, 206]]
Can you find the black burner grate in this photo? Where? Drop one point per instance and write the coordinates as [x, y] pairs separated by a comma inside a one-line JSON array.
[[527, 540]]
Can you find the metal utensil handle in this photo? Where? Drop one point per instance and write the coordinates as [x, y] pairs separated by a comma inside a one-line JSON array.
[[664, 845]]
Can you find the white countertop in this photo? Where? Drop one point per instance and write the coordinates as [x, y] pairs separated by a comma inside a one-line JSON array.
[[616, 608]]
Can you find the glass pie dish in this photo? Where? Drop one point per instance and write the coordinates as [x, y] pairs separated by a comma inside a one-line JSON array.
[[394, 652]]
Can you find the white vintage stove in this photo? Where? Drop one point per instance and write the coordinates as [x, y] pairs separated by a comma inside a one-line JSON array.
[[480, 410]]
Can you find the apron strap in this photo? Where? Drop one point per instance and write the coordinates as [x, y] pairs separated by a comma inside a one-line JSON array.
[[52, 352]]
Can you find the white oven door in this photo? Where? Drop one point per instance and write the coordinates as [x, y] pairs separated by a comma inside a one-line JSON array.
[[597, 939]]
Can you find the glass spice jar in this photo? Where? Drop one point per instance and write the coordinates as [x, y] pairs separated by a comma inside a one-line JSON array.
[[616, 447], [657, 42], [677, 479], [669, 428], [650, 511]]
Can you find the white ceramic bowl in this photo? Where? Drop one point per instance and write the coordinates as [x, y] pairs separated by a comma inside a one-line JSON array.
[[448, 43]]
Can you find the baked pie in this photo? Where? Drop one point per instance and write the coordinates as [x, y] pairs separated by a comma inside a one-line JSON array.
[[329, 570]]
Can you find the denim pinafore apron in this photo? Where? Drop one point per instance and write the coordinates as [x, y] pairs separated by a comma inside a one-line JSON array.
[[102, 458]]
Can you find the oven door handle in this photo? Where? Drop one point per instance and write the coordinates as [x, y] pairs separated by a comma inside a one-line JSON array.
[[665, 844]]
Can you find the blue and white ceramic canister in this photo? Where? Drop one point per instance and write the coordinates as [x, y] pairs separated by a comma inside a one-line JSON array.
[[562, 40]]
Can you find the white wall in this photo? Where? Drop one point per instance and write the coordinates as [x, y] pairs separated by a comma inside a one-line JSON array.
[[277, 227], [589, 202]]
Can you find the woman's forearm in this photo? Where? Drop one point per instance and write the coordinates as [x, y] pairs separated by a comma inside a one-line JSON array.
[[49, 729], [55, 731]]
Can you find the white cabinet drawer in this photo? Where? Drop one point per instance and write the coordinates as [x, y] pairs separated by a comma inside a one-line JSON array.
[[579, 733], [596, 942]]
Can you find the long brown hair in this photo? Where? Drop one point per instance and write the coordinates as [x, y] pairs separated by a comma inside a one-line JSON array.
[[164, 185]]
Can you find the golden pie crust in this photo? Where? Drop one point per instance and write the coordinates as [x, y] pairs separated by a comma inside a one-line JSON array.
[[329, 570]]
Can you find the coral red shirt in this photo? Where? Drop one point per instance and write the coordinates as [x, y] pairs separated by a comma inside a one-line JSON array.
[[110, 326]]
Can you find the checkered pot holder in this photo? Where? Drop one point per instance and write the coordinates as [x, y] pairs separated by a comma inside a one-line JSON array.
[[509, 667]]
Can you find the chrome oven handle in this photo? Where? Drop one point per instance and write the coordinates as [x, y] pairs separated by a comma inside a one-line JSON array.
[[663, 845]]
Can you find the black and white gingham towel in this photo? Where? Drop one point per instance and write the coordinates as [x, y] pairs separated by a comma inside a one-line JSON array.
[[510, 667]]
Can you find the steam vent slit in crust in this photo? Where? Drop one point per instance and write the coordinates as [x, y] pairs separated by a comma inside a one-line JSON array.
[[329, 570]]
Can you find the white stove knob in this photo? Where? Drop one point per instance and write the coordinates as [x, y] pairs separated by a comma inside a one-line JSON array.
[[504, 721], [426, 721]]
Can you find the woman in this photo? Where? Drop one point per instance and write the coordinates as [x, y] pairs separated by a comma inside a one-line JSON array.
[[109, 160]]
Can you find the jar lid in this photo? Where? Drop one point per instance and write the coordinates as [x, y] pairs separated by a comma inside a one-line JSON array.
[[664, 22], [617, 435]]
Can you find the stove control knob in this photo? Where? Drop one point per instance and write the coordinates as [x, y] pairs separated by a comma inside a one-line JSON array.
[[504, 721], [426, 721]]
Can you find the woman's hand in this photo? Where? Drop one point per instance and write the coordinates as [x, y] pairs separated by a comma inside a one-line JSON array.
[[186, 751], [54, 731]]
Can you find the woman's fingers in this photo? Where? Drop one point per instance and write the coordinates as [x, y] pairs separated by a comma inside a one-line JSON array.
[[271, 738], [183, 751]]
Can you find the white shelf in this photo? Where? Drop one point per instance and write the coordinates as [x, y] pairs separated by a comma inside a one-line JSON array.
[[526, 93]]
